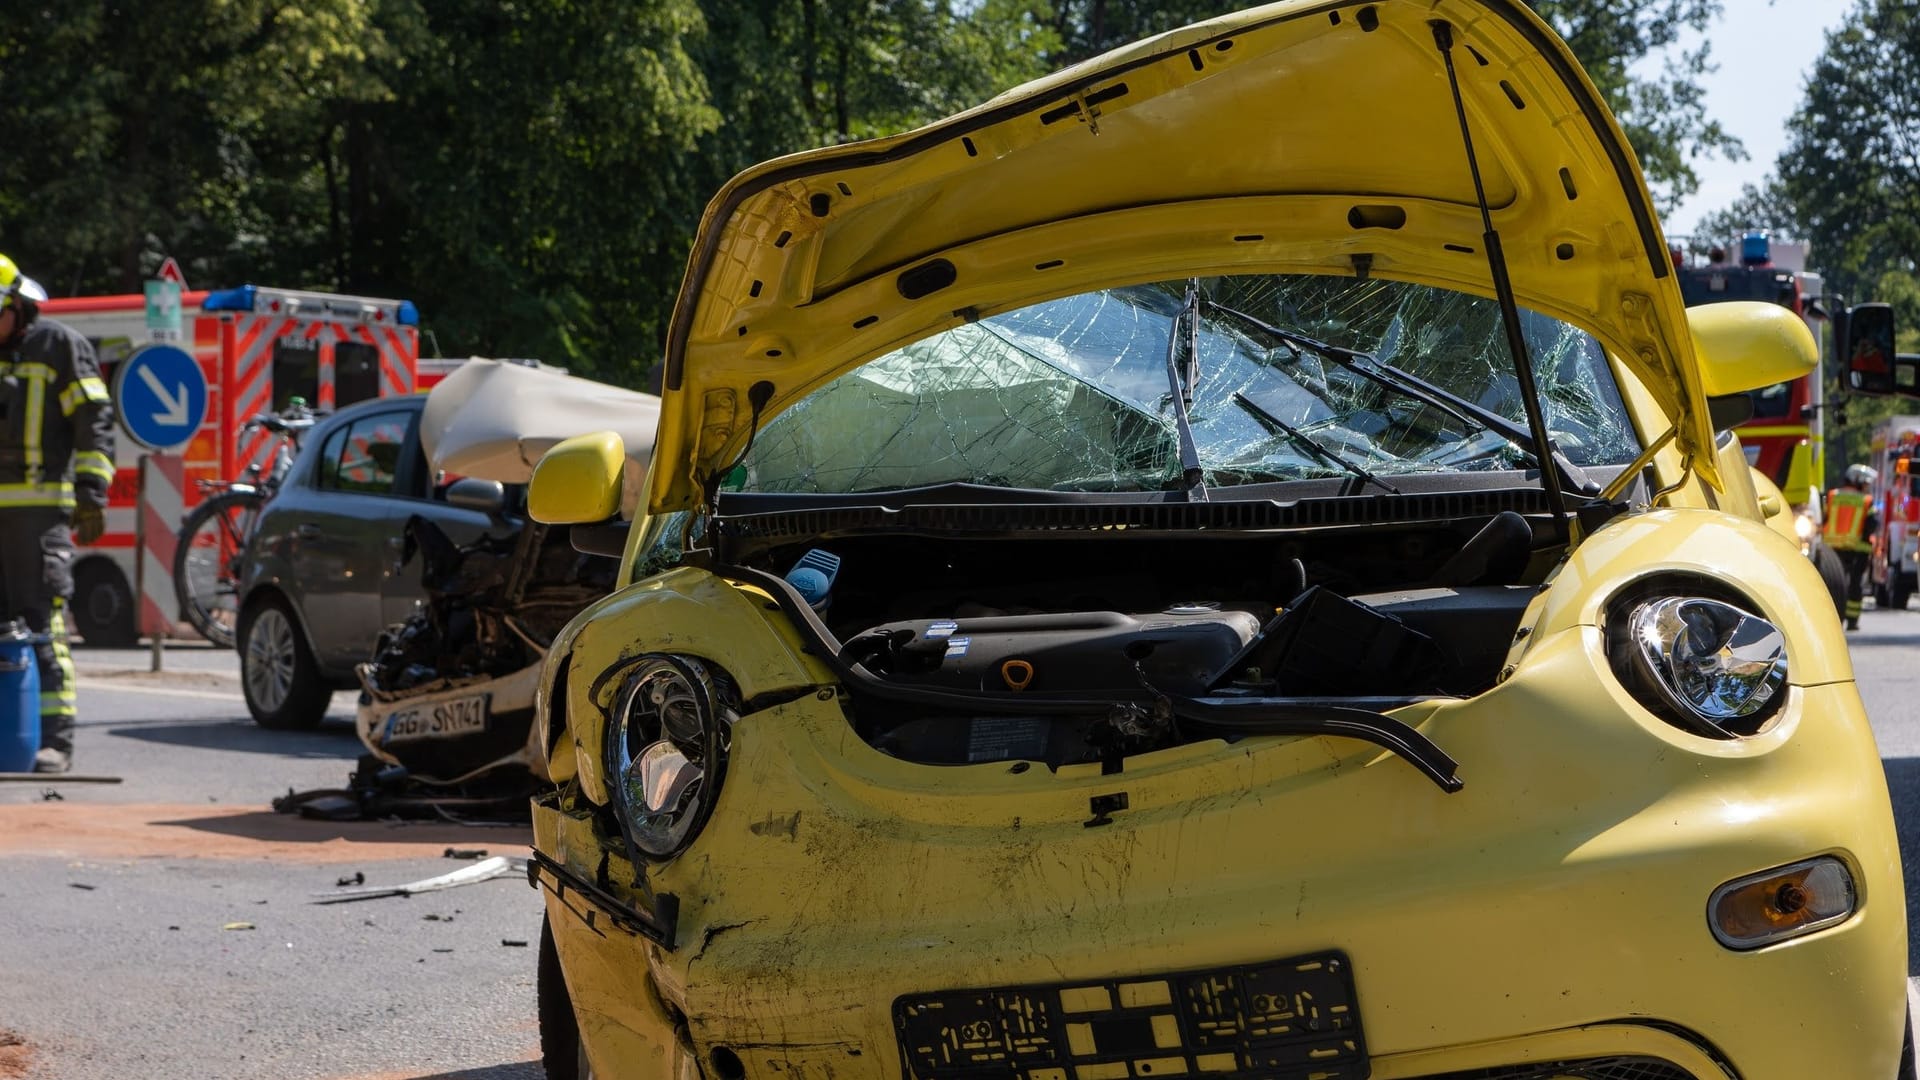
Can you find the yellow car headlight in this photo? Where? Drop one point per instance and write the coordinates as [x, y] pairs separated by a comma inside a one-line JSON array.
[[1782, 903], [1698, 661], [667, 752]]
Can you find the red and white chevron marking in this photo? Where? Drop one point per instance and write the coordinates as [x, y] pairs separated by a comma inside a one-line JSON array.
[[162, 505]]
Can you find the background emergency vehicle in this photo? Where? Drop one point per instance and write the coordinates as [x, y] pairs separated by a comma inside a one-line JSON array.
[[259, 348], [1782, 438], [1896, 495]]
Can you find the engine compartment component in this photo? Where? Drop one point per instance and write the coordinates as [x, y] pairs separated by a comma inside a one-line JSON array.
[[1068, 650], [1177, 650]]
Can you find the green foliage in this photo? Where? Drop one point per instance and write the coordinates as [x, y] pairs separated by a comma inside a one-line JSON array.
[[1850, 166], [1665, 118], [1765, 206]]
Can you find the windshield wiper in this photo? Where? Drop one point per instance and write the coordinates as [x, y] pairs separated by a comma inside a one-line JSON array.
[[1308, 443], [1180, 379], [1410, 385]]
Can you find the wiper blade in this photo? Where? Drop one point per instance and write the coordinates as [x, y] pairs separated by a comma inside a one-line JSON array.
[[1308, 443], [1410, 385], [1180, 379]]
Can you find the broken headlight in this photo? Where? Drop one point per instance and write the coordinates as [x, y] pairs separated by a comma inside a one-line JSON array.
[[1703, 663], [667, 752]]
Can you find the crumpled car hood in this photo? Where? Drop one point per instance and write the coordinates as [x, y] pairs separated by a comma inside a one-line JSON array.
[[1315, 137]]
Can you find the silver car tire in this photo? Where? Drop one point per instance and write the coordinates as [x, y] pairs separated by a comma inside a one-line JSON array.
[[278, 675]]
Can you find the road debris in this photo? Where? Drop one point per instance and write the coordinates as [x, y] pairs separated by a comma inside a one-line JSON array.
[[238, 926], [50, 795], [81, 885], [484, 870], [358, 878], [512, 944], [465, 853]]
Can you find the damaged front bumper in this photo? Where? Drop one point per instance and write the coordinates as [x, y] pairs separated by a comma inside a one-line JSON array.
[[451, 731], [1554, 911]]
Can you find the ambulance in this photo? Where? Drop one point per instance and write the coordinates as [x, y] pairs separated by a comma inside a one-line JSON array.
[[259, 348], [1895, 457]]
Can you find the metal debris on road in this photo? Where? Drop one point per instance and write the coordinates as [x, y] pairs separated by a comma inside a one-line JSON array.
[[512, 944], [358, 878], [484, 870], [238, 926]]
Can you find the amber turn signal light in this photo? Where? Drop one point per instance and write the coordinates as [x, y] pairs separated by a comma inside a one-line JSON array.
[[1786, 902]]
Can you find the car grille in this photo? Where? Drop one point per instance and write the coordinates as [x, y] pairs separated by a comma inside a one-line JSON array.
[[1607, 1068]]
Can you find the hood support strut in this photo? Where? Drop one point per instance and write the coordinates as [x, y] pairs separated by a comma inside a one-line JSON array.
[[1503, 292]]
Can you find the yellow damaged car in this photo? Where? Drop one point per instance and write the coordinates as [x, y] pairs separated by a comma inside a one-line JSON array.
[[1224, 561]]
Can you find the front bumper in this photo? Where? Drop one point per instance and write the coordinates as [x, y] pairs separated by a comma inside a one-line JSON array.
[[1552, 911]]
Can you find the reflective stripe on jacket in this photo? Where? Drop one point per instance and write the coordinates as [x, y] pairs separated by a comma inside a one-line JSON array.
[[56, 424]]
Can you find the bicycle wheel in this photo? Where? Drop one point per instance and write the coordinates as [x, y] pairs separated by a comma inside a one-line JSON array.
[[206, 562]]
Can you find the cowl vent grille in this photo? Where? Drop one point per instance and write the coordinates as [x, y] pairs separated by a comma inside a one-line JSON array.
[[1150, 517]]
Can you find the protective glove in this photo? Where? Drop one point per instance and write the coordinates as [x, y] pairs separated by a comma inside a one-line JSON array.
[[88, 523]]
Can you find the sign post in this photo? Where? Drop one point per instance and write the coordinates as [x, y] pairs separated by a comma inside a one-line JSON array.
[[160, 396]]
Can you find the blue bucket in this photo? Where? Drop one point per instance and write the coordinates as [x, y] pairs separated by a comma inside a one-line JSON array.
[[19, 699]]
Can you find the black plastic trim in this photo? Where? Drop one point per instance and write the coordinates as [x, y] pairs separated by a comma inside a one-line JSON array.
[[658, 927]]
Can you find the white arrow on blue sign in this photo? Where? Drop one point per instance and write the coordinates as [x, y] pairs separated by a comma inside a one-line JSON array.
[[161, 396]]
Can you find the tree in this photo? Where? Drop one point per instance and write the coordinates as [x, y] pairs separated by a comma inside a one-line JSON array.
[[1852, 164], [1765, 206], [145, 113]]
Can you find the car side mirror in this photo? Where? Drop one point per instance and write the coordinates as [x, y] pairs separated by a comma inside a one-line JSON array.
[[1865, 336], [472, 493], [578, 481], [1744, 345]]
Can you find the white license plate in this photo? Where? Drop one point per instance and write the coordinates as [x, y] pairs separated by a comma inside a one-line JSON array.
[[441, 720]]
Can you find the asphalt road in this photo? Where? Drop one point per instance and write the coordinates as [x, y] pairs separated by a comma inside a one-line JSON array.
[[115, 955]]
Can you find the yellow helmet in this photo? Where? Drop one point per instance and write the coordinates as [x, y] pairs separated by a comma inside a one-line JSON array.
[[16, 285]]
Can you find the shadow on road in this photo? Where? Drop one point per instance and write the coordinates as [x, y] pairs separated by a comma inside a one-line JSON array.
[[270, 827], [333, 739], [519, 1070], [1903, 784]]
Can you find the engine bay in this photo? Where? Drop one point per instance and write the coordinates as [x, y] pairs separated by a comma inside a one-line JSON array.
[[1073, 649]]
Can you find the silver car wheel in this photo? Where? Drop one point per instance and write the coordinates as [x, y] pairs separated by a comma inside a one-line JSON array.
[[270, 659]]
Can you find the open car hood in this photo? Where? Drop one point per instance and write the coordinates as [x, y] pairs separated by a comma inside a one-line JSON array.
[[494, 419], [1303, 137]]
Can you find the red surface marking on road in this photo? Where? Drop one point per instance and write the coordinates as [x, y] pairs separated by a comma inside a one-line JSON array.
[[172, 831], [16, 1056]]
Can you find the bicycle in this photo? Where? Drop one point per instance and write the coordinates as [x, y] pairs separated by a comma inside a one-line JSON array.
[[214, 536]]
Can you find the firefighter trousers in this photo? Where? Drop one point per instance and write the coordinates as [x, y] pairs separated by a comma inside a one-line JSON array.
[[36, 584], [1855, 563]]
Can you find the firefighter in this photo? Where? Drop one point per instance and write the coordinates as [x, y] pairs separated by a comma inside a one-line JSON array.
[[1849, 531], [56, 464]]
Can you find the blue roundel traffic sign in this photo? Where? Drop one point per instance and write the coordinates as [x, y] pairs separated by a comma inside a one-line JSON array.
[[161, 396]]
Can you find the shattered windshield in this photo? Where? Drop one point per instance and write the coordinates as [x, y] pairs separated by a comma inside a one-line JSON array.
[[1074, 394]]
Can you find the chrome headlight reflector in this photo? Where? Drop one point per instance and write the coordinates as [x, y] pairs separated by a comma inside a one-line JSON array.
[[1703, 663], [667, 753], [1782, 903]]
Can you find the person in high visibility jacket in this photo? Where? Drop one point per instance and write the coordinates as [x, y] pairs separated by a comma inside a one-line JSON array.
[[56, 464], [1851, 526]]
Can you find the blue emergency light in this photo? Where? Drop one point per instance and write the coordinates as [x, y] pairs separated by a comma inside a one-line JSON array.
[[1755, 250], [242, 299]]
